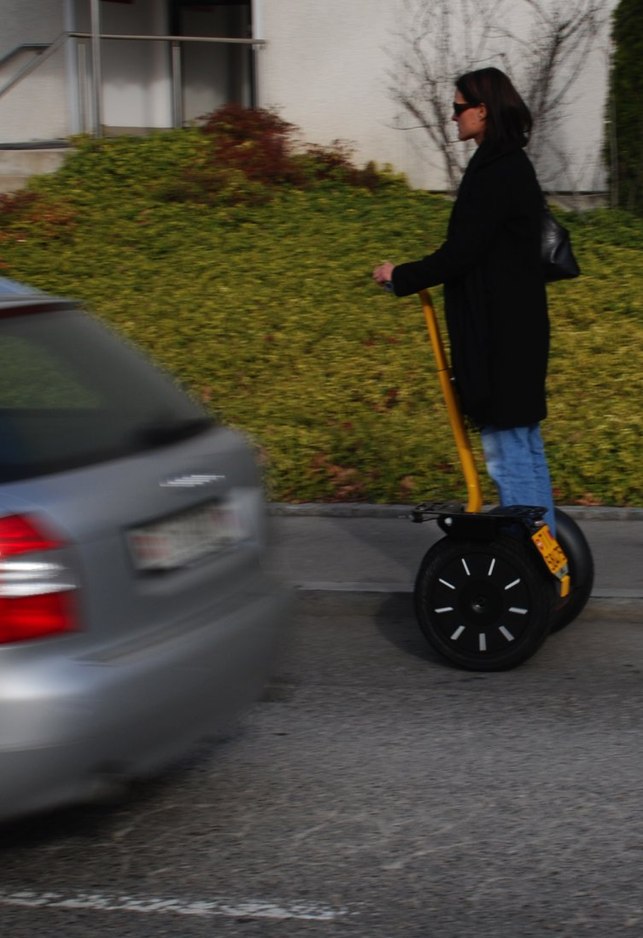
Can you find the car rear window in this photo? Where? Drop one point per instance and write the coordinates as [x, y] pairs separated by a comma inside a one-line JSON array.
[[72, 393]]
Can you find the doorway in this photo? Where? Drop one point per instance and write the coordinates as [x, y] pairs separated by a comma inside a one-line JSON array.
[[214, 74]]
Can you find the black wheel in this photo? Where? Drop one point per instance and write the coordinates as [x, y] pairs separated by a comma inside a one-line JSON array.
[[581, 571], [484, 605]]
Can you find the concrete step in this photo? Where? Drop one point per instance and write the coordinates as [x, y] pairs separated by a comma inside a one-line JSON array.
[[17, 165]]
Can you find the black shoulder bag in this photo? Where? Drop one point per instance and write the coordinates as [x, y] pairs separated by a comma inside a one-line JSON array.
[[558, 258]]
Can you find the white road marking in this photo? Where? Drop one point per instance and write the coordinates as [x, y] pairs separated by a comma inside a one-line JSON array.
[[149, 905]]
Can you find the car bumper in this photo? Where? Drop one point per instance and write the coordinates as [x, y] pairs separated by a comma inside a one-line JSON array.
[[70, 735]]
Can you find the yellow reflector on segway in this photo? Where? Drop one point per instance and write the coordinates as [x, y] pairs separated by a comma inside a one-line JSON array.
[[554, 557]]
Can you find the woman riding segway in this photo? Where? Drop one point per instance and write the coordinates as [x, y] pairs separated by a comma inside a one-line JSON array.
[[496, 313]]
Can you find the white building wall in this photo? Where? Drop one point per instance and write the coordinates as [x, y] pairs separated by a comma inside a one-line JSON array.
[[36, 109], [136, 88], [326, 69], [136, 77]]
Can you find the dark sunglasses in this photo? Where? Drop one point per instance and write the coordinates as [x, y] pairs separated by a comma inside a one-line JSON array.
[[459, 109]]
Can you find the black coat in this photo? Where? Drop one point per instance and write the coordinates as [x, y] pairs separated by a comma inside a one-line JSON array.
[[494, 289]]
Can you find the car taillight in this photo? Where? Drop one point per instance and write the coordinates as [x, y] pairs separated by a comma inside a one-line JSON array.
[[36, 590]]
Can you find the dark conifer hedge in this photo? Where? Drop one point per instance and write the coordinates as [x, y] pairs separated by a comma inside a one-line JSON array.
[[626, 108]]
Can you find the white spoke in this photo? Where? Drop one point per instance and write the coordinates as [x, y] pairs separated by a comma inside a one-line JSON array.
[[444, 609], [491, 566], [507, 634], [512, 584], [518, 610], [458, 632], [446, 583], [482, 641], [464, 564]]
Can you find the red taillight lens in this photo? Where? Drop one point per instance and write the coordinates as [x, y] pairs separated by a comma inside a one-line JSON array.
[[19, 535], [35, 586]]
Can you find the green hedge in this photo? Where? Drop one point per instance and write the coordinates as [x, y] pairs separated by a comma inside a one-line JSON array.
[[626, 90], [266, 311]]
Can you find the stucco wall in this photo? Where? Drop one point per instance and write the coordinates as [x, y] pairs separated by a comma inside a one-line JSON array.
[[36, 109], [136, 78], [326, 67]]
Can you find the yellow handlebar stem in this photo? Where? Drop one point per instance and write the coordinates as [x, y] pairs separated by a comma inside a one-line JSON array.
[[458, 428]]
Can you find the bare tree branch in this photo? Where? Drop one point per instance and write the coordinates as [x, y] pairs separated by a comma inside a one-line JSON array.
[[441, 38]]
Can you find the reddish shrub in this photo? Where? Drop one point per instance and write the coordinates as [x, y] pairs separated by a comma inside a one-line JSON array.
[[254, 140], [259, 146], [25, 214], [15, 205]]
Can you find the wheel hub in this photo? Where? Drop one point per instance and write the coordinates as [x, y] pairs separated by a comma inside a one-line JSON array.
[[480, 603]]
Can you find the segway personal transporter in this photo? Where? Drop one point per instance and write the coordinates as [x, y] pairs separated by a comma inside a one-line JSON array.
[[488, 594]]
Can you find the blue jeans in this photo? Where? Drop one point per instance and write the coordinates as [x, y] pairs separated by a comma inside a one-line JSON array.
[[517, 464]]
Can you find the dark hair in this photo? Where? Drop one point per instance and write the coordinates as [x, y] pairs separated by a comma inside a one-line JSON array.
[[508, 117]]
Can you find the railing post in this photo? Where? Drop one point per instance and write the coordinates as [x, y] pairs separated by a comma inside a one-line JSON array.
[[177, 90], [97, 76]]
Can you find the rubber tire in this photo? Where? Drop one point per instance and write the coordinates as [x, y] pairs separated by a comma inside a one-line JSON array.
[[461, 595], [581, 571]]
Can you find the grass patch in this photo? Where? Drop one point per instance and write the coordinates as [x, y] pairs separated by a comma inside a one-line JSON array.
[[258, 297]]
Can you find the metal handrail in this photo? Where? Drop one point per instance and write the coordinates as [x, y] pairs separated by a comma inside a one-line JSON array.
[[25, 47], [163, 38], [46, 50]]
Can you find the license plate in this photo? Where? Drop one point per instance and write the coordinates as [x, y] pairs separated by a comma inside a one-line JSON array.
[[184, 538]]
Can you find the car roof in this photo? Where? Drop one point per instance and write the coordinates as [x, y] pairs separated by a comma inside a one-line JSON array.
[[10, 288], [16, 297]]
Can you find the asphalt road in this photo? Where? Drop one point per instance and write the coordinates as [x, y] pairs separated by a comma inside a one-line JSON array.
[[374, 791]]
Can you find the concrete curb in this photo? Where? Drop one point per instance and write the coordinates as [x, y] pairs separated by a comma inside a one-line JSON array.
[[370, 510], [618, 597], [352, 599], [404, 589], [357, 591]]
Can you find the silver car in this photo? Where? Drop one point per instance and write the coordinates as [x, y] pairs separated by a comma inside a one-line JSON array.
[[135, 616]]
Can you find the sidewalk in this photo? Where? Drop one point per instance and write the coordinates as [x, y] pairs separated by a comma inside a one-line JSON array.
[[376, 549]]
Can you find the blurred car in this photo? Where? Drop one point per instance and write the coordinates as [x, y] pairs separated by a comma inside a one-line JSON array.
[[135, 616]]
